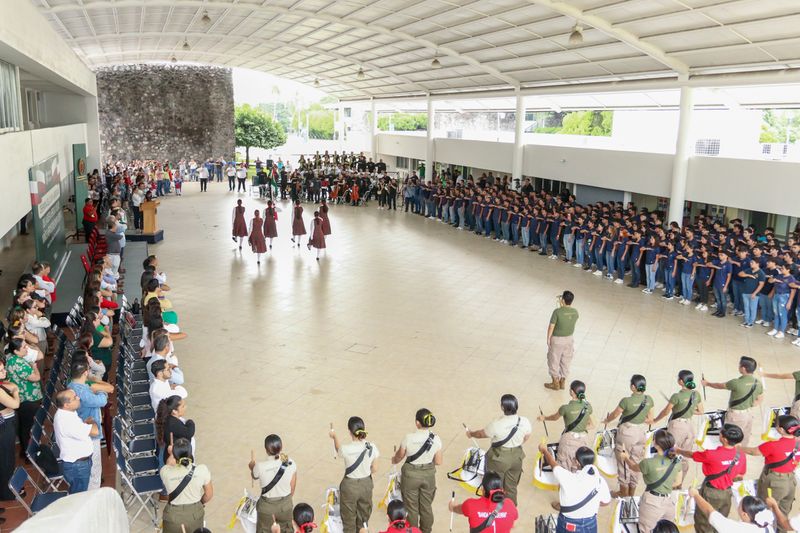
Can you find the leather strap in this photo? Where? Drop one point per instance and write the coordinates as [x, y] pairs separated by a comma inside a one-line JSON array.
[[352, 468], [182, 485], [508, 437], [684, 410], [739, 401], [662, 479], [627, 418], [278, 475], [424, 448]]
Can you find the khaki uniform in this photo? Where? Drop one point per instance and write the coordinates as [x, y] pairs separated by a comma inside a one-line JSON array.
[[186, 509], [783, 488], [278, 501], [576, 437], [657, 503], [506, 460], [562, 347], [682, 429], [355, 490], [632, 435], [740, 414], [719, 500], [418, 479]]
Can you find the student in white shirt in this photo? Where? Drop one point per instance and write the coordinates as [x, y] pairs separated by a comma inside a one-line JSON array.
[[162, 351], [160, 388], [755, 515], [74, 438], [580, 493]]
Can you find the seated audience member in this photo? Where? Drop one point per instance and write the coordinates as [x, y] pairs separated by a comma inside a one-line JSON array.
[[160, 388]]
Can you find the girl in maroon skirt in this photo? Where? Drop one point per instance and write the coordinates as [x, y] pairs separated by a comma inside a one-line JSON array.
[[317, 239], [298, 227], [326, 222], [270, 225], [256, 240], [239, 224]]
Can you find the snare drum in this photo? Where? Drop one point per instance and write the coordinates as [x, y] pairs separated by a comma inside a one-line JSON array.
[[604, 451], [543, 477]]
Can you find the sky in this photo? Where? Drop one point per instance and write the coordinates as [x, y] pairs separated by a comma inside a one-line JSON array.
[[254, 87]]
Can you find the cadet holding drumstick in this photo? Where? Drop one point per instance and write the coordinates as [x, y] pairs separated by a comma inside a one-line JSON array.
[[355, 490], [681, 407], [577, 414]]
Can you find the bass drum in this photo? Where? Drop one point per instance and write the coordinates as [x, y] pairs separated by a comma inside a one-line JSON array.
[[771, 423], [470, 474], [543, 477], [710, 424], [626, 515], [604, 451], [684, 510]]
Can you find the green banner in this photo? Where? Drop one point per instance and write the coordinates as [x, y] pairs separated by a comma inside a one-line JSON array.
[[48, 218], [81, 187]]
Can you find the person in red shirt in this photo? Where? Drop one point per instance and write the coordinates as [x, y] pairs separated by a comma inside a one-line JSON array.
[[89, 217], [721, 466], [780, 459], [302, 520], [492, 511], [398, 522]]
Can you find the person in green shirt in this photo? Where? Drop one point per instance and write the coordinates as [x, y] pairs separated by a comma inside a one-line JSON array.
[[27, 379], [634, 412], [577, 415], [682, 407], [746, 393], [560, 345], [661, 473], [795, 411], [102, 342]]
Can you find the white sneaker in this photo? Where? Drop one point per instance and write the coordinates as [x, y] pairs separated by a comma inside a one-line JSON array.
[[779, 335], [659, 285], [698, 306], [704, 308], [609, 276], [646, 291], [619, 281], [772, 332], [681, 300], [577, 265], [792, 331], [765, 324], [687, 302], [553, 257], [759, 321], [597, 273], [796, 342]]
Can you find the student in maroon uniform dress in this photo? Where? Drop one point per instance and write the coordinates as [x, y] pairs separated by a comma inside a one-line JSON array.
[[317, 239], [298, 227], [256, 240], [270, 219], [239, 225]]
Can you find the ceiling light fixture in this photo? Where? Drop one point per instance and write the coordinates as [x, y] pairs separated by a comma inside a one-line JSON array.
[[186, 44], [206, 19], [316, 82], [174, 59], [576, 37], [360, 73], [436, 63]]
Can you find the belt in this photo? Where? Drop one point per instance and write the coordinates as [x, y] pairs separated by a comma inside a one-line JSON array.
[[654, 493], [710, 486], [780, 473], [183, 504], [506, 449], [418, 467], [88, 457]]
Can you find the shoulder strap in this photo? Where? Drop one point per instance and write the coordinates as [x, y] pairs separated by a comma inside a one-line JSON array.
[[182, 485], [572, 425], [278, 475], [352, 468], [739, 401], [424, 448], [628, 418], [786, 460], [685, 409], [727, 471], [508, 437], [486, 524], [662, 479], [581, 504]]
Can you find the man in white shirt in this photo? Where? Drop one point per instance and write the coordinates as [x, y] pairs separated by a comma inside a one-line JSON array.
[[137, 197], [203, 178], [161, 388], [74, 438], [162, 351], [241, 177], [581, 493]]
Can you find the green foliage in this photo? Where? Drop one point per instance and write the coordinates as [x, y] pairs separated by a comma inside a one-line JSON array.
[[778, 125], [404, 122], [591, 123], [282, 112], [320, 121], [254, 128]]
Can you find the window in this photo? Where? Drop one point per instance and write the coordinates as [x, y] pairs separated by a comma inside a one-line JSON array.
[[9, 98], [530, 116], [402, 162], [347, 112], [706, 147]]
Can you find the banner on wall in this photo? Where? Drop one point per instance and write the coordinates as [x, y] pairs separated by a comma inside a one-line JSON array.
[[81, 187], [48, 219]]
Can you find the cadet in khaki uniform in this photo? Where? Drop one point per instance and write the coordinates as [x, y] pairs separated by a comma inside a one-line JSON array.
[[560, 344], [795, 411], [508, 433], [746, 393], [780, 459], [661, 473], [423, 453], [634, 413], [681, 407], [577, 415], [278, 477], [355, 490]]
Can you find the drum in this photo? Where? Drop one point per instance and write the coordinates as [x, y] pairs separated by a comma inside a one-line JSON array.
[[684, 509], [470, 473], [740, 489], [649, 447], [711, 423], [543, 477], [545, 523], [626, 515], [332, 521], [771, 423], [604, 449]]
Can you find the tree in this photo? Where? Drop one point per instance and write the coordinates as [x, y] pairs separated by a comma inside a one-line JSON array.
[[404, 122], [320, 121], [280, 112], [780, 126], [591, 123], [254, 128]]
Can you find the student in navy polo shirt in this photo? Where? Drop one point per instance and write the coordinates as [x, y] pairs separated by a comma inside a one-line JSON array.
[[635, 253], [688, 260], [739, 263], [722, 278], [702, 280], [782, 296], [670, 257], [651, 251], [752, 279]]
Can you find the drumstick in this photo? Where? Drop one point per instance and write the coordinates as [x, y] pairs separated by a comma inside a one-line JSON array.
[[452, 500], [703, 377], [474, 442], [605, 424], [544, 423], [663, 395], [335, 453], [183, 528]]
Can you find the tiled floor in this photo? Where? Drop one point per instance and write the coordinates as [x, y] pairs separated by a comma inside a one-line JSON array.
[[404, 313]]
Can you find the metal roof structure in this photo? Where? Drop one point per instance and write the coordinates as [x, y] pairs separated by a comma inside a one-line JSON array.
[[357, 49]]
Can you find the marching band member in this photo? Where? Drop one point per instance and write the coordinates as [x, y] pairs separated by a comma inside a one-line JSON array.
[[577, 414], [355, 490], [681, 407], [493, 510], [746, 393]]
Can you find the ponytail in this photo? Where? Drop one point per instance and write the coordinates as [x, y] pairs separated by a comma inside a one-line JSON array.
[[639, 382], [687, 377], [357, 428], [579, 388], [425, 418]]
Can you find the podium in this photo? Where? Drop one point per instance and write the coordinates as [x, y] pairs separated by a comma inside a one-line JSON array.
[[150, 212]]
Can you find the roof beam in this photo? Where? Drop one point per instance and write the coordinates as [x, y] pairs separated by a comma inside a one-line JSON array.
[[618, 33], [423, 43]]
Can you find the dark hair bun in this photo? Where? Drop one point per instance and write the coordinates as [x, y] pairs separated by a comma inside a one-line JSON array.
[[691, 385]]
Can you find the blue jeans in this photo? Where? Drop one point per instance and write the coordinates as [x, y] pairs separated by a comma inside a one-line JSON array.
[[620, 264], [479, 225], [579, 250], [636, 273], [686, 285], [781, 313], [750, 306], [576, 525], [556, 247], [722, 299], [506, 231], [737, 295], [598, 259], [766, 308], [77, 475], [650, 272], [514, 234], [487, 226], [526, 237], [609, 264], [569, 240], [669, 282], [543, 243]]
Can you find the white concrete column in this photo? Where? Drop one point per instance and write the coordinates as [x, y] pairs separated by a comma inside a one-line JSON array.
[[94, 158], [680, 165], [373, 127], [519, 121], [429, 146], [627, 196]]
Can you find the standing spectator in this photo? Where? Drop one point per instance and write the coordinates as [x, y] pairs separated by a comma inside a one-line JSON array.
[[114, 243], [89, 217], [9, 403], [26, 377], [189, 488], [193, 170], [90, 403], [241, 178], [137, 197], [203, 179], [171, 424], [752, 281], [74, 438], [230, 171]]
